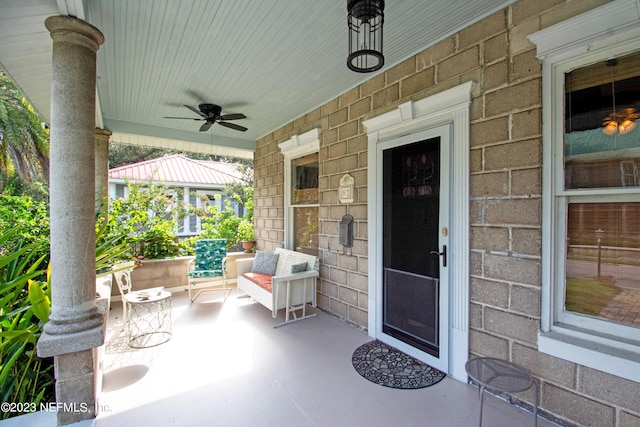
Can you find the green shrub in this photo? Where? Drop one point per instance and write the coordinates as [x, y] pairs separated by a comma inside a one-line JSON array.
[[216, 224], [110, 250], [30, 220], [24, 309], [147, 220], [245, 231], [223, 224]]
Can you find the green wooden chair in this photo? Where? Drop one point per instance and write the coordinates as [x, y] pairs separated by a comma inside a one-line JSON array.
[[208, 266]]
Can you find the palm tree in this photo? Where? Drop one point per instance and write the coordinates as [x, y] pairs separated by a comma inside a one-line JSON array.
[[24, 139]]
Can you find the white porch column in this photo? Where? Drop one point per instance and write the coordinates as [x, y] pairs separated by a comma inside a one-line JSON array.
[[75, 325], [102, 170]]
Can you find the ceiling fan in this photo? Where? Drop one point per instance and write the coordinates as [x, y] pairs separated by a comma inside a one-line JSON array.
[[211, 113]]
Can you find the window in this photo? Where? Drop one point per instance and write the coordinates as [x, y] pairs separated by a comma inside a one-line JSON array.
[[304, 203], [304, 180], [591, 189], [121, 190], [602, 221], [301, 192]]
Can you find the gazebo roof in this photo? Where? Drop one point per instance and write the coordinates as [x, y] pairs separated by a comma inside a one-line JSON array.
[[177, 169]]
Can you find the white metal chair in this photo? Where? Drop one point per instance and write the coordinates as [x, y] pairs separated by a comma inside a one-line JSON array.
[[122, 274]]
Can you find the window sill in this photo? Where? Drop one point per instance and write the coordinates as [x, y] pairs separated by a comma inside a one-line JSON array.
[[594, 351]]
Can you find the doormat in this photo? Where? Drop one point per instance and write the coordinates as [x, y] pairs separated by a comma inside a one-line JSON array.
[[389, 367]]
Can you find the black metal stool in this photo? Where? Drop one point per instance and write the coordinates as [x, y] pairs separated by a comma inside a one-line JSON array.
[[502, 376]]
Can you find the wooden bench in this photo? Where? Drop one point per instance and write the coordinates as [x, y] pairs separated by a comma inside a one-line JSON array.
[[283, 289]]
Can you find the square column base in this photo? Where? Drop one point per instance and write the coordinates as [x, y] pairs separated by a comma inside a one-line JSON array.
[[75, 388]]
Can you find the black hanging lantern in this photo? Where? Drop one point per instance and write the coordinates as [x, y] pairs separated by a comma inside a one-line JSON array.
[[365, 35]]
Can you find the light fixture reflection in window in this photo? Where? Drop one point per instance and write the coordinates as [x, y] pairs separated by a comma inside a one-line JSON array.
[[622, 121]]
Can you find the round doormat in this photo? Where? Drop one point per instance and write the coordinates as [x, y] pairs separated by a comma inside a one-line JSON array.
[[387, 366]]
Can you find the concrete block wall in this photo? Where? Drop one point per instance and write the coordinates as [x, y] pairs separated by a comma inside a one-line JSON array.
[[505, 199]]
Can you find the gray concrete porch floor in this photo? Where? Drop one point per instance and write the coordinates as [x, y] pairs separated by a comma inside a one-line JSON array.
[[226, 366]]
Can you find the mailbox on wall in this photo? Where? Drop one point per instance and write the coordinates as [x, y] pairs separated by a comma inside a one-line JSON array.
[[346, 231]]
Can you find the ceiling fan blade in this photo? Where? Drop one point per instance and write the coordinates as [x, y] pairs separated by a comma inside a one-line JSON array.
[[233, 126], [186, 118], [233, 116], [197, 95], [205, 126], [195, 110]]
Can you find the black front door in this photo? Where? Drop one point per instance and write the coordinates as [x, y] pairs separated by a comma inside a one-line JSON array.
[[411, 253]]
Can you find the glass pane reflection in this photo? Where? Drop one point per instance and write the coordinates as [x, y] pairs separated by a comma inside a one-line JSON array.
[[603, 261]]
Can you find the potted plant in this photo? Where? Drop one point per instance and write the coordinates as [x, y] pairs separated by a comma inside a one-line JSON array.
[[245, 235]]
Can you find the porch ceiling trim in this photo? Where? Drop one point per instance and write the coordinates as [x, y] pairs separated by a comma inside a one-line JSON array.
[[156, 136]]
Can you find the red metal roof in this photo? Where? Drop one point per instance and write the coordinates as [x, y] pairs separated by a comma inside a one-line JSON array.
[[179, 169]]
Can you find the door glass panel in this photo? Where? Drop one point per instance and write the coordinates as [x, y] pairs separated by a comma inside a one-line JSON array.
[[411, 274]]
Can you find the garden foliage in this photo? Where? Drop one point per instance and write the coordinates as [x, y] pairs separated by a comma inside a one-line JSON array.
[[223, 224], [30, 220], [24, 309], [150, 215], [147, 221]]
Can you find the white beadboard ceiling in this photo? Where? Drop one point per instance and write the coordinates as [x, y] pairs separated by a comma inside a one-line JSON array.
[[272, 60]]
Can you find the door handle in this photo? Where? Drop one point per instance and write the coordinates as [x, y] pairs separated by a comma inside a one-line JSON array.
[[443, 254]]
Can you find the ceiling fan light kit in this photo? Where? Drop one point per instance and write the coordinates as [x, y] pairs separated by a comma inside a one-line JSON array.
[[365, 20], [211, 113]]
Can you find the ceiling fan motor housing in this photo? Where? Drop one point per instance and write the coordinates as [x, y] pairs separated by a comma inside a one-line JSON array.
[[211, 110]]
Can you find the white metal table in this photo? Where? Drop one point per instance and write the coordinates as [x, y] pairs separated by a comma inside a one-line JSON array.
[[149, 318], [502, 376]]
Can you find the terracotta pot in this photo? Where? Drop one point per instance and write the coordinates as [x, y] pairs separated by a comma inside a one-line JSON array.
[[248, 245]]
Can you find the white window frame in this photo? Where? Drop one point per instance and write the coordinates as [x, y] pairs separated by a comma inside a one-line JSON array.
[[603, 33], [293, 148]]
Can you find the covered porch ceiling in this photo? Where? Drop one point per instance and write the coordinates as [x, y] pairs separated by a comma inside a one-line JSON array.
[[272, 60]]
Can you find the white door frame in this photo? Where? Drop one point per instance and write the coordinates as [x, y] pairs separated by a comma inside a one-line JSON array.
[[412, 118]]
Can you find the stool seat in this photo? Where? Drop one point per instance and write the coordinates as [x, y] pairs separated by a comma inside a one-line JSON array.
[[501, 376]]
